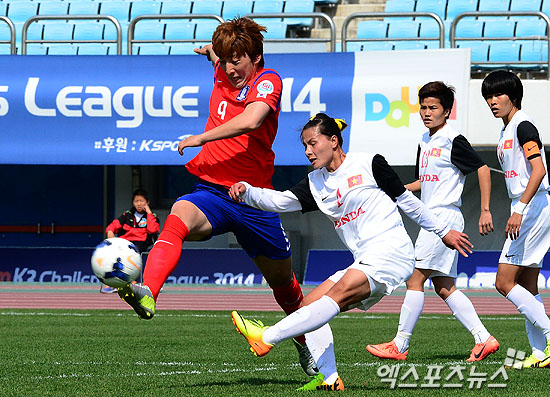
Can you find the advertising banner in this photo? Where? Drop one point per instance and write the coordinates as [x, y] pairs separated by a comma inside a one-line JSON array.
[[385, 98], [134, 110], [72, 265]]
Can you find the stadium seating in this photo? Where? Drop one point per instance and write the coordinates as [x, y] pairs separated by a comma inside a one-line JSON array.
[[176, 7], [19, 12], [534, 51], [371, 29], [480, 50], [299, 6], [207, 7], [232, 8], [62, 49], [436, 6], [58, 31], [117, 8], [275, 30], [409, 45], [182, 48], [469, 28], [267, 7], [499, 28], [144, 8], [153, 49], [179, 30], [37, 49], [53, 8], [399, 6], [530, 27], [403, 29], [493, 5], [149, 30], [455, 7], [525, 5], [502, 51], [92, 49], [205, 28], [84, 8], [88, 30]]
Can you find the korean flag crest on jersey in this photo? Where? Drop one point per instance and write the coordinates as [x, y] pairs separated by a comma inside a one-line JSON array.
[[265, 87], [244, 92]]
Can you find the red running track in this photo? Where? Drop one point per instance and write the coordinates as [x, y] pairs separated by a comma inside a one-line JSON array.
[[39, 296]]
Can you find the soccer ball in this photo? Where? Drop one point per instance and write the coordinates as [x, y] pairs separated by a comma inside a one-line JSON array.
[[116, 262]]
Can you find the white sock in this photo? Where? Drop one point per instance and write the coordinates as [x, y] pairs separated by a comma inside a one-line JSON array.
[[537, 340], [530, 308], [466, 314], [321, 345], [303, 320], [410, 313]]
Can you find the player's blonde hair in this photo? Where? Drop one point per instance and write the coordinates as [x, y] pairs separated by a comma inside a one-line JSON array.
[[238, 37]]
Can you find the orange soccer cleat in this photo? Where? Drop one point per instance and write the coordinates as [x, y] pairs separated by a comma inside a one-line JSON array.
[[482, 350], [252, 330], [387, 350]]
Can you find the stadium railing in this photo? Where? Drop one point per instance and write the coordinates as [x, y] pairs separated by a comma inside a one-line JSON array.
[[11, 41], [390, 15], [133, 22], [25, 41], [290, 15], [453, 37]]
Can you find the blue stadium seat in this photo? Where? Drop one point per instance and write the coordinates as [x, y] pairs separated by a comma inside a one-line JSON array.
[[232, 8], [267, 6], [207, 7], [480, 50], [504, 52], [493, 5], [435, 6], [530, 27], [109, 33], [534, 51], [53, 8], [176, 7], [378, 46], [62, 49], [35, 31], [60, 30], [299, 6], [455, 7], [399, 6], [275, 30], [401, 29], [525, 5], [5, 33], [117, 8], [37, 49], [21, 11], [144, 8], [92, 49], [409, 45], [149, 30], [371, 29], [88, 30], [205, 29], [179, 30], [429, 28], [354, 46], [469, 28], [499, 27], [153, 49], [84, 8], [3, 8], [545, 7], [182, 48]]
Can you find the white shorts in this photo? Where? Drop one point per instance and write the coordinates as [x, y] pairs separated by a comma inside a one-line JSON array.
[[429, 250], [377, 289], [534, 235]]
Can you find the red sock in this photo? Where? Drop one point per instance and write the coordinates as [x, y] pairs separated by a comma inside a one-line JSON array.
[[290, 298], [165, 254]]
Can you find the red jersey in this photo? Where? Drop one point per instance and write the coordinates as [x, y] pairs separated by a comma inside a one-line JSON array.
[[247, 157]]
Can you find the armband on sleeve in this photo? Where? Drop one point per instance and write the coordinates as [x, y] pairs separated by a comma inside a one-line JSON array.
[[531, 150], [270, 200], [418, 212]]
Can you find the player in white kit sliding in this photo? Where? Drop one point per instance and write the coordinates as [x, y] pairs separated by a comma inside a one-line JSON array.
[[444, 159], [359, 193], [521, 155]]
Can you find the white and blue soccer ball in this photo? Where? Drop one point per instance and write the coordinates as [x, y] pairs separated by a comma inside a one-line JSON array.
[[116, 262]]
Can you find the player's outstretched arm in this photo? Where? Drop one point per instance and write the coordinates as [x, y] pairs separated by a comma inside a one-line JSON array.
[[265, 199], [208, 52], [485, 217]]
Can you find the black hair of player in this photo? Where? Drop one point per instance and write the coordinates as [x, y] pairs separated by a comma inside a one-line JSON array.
[[503, 82], [327, 126], [141, 192], [438, 89]]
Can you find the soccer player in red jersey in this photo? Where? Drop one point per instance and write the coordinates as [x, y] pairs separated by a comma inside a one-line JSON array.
[[236, 145]]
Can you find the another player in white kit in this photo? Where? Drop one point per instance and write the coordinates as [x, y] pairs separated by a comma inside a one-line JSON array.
[[359, 193], [444, 159], [521, 156]]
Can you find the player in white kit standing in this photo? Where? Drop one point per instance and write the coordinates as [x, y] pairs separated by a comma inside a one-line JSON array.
[[521, 155], [444, 159], [359, 193]]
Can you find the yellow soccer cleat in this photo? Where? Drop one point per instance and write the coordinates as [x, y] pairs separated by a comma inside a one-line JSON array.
[[531, 362], [545, 362], [252, 330], [140, 298], [318, 383]]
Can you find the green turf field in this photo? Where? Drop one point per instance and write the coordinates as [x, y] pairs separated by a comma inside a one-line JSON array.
[[108, 353]]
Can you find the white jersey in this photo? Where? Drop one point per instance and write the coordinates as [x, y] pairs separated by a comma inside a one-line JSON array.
[[517, 168], [444, 159], [360, 199]]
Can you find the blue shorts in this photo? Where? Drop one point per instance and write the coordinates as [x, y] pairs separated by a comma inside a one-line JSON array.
[[260, 233]]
